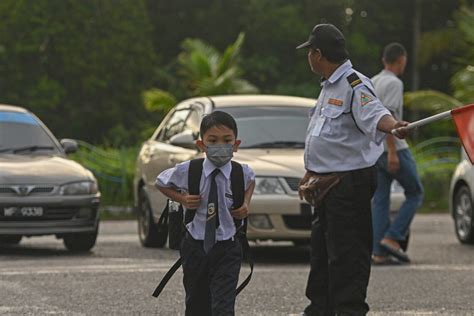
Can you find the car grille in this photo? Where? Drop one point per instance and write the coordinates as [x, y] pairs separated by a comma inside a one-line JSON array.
[[293, 183], [26, 190], [301, 221], [49, 214]]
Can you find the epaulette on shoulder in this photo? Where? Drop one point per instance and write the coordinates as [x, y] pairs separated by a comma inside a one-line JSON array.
[[354, 80]]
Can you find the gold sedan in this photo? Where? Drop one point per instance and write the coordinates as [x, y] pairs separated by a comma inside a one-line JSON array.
[[272, 130]]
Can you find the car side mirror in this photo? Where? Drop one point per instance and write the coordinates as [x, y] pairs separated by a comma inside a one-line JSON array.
[[186, 139], [69, 145]]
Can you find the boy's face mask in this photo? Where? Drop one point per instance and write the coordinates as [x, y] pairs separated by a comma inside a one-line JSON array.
[[219, 154]]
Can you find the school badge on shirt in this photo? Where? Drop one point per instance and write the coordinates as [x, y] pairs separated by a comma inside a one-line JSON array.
[[211, 209], [365, 98]]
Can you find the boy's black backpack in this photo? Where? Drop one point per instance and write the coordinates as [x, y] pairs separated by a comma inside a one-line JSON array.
[[177, 222]]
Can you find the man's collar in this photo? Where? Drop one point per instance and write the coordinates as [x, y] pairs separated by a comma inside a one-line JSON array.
[[208, 167], [341, 70]]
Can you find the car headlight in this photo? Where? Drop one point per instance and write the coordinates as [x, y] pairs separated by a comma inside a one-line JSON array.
[[267, 185], [79, 188]]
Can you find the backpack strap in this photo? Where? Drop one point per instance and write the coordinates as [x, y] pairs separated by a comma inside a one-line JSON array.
[[167, 277], [194, 180], [238, 194]]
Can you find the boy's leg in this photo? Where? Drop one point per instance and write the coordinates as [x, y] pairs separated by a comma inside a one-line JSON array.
[[195, 278], [224, 268], [408, 178], [317, 288], [381, 205]]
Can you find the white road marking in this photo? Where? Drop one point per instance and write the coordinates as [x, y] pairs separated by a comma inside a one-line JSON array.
[[151, 266]]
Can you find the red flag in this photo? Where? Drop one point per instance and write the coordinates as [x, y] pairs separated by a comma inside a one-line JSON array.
[[463, 118]]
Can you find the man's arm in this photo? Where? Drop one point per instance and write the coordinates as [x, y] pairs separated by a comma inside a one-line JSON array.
[[387, 123], [392, 157]]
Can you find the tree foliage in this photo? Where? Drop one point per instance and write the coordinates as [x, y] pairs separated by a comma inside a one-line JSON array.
[[83, 66], [80, 65]]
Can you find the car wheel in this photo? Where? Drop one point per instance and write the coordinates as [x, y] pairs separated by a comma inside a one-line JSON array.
[[463, 223], [10, 239], [148, 231], [80, 242]]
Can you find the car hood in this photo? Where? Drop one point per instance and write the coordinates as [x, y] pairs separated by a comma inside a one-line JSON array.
[[34, 169], [273, 162]]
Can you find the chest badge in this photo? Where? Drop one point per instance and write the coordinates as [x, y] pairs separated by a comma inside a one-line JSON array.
[[335, 102], [365, 98], [211, 209]]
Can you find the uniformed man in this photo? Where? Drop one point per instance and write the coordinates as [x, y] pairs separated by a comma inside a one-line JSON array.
[[345, 135]]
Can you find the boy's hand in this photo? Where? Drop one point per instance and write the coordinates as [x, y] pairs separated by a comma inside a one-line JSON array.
[[240, 213], [191, 201]]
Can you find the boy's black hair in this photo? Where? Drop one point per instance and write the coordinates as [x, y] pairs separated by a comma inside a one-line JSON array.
[[217, 118], [392, 52]]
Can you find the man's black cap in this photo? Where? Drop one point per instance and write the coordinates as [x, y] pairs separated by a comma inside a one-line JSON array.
[[326, 37]]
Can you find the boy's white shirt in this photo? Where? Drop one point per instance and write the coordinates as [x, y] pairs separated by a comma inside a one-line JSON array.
[[177, 177]]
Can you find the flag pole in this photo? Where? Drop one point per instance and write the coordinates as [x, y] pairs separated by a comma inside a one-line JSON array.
[[427, 120]]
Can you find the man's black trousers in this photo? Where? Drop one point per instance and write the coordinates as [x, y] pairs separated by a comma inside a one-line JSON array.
[[210, 280], [341, 247]]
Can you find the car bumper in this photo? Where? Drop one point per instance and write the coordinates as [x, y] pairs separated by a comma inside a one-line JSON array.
[[289, 218], [61, 215]]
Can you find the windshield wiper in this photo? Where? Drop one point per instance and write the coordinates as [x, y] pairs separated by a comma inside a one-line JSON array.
[[277, 144], [31, 148]]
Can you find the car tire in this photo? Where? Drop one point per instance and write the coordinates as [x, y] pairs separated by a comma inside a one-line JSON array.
[[10, 239], [80, 242], [148, 232], [463, 215]]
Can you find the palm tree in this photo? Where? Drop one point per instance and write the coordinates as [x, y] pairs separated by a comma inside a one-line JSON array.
[[204, 71], [208, 72]]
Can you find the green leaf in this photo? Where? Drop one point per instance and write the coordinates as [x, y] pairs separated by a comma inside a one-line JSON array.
[[158, 100]]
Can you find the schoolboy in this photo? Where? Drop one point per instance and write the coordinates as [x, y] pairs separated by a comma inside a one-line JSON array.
[[211, 256]]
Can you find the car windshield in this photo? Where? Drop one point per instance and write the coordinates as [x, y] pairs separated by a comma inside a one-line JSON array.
[[271, 126], [21, 133]]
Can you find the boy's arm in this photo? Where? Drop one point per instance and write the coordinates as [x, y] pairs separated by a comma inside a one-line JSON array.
[[243, 211], [188, 201]]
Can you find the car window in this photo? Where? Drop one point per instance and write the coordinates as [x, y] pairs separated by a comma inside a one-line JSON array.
[[174, 125], [271, 126], [193, 121], [24, 133]]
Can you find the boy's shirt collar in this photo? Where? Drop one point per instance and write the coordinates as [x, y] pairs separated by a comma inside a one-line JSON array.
[[208, 167]]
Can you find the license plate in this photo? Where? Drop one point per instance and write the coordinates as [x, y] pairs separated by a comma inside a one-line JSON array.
[[27, 211]]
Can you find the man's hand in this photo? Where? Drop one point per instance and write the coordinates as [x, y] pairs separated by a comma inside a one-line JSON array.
[[240, 213], [400, 130], [305, 179], [393, 163], [191, 201]]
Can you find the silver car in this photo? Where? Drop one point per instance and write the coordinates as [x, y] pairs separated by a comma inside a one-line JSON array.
[[460, 200], [41, 191]]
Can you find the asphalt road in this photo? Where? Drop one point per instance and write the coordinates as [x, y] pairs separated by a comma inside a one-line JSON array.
[[39, 277]]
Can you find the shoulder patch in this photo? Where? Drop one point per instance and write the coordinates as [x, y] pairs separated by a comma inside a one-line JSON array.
[[365, 98], [354, 79]]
